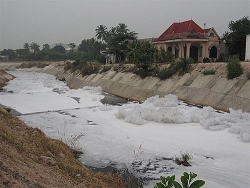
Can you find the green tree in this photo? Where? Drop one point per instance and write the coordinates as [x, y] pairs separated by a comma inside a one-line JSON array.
[[26, 46], [46, 47], [59, 48], [101, 32], [116, 39], [141, 53], [72, 46], [35, 47], [236, 38]]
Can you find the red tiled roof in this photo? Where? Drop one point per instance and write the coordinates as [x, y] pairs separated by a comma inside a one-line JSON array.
[[182, 30]]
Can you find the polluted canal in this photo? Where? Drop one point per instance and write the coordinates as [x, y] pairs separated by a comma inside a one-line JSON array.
[[138, 140]]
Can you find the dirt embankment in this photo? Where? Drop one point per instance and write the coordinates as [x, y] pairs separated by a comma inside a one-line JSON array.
[[30, 159]]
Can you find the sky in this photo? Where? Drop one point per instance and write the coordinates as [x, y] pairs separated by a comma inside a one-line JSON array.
[[71, 21]]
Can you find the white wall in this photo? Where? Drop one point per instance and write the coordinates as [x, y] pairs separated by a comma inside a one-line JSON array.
[[247, 56]]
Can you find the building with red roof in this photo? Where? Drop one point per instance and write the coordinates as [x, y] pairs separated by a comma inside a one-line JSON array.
[[187, 39]]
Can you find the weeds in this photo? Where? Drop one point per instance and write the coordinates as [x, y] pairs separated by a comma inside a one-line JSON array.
[[73, 141], [165, 73], [136, 153], [183, 159], [248, 75], [209, 72]]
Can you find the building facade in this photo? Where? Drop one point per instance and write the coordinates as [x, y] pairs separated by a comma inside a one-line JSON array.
[[188, 40]]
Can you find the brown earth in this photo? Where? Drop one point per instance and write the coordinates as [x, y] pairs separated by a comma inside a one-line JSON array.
[[30, 159]]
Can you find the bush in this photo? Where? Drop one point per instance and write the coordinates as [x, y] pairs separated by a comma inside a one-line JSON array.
[[89, 69], [248, 75], [234, 68], [165, 73], [143, 73], [186, 181], [206, 60], [209, 72], [183, 65], [105, 69]]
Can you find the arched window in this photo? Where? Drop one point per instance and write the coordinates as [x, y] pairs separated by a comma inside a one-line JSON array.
[[170, 49]]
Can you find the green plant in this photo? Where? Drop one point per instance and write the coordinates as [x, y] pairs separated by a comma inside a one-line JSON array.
[[208, 72], [165, 73], [143, 73], [234, 68], [206, 60], [183, 65], [90, 69], [186, 180], [105, 69], [183, 159], [248, 75]]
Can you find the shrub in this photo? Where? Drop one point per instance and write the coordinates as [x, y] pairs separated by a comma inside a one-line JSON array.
[[186, 181], [105, 69], [234, 68], [209, 72], [68, 66], [248, 75], [206, 60], [165, 73], [183, 65], [143, 73], [89, 69]]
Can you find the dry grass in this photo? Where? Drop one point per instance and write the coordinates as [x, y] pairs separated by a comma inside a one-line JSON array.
[[27, 145]]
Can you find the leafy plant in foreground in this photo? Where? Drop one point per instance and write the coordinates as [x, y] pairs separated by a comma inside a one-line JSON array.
[[186, 180]]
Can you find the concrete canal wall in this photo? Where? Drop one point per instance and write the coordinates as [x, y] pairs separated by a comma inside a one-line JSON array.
[[208, 90]]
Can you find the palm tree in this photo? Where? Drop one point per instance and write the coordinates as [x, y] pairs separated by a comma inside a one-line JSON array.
[[122, 28], [101, 32]]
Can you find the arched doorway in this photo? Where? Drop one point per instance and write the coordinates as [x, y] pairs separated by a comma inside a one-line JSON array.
[[194, 53], [213, 52]]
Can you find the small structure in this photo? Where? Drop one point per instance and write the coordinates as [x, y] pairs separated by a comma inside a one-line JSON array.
[[4, 57], [187, 39], [247, 54]]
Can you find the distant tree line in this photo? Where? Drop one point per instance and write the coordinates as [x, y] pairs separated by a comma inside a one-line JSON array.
[[123, 44]]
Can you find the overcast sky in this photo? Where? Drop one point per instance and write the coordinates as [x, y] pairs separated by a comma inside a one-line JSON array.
[[66, 21]]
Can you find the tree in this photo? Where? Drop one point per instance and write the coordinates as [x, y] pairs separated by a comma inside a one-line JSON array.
[[26, 46], [142, 53], [46, 47], [59, 49], [101, 32], [72, 46], [236, 38], [117, 39], [35, 47]]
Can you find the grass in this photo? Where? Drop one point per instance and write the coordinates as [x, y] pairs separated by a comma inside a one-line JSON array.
[[209, 72], [248, 75], [32, 144], [183, 159], [33, 64]]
